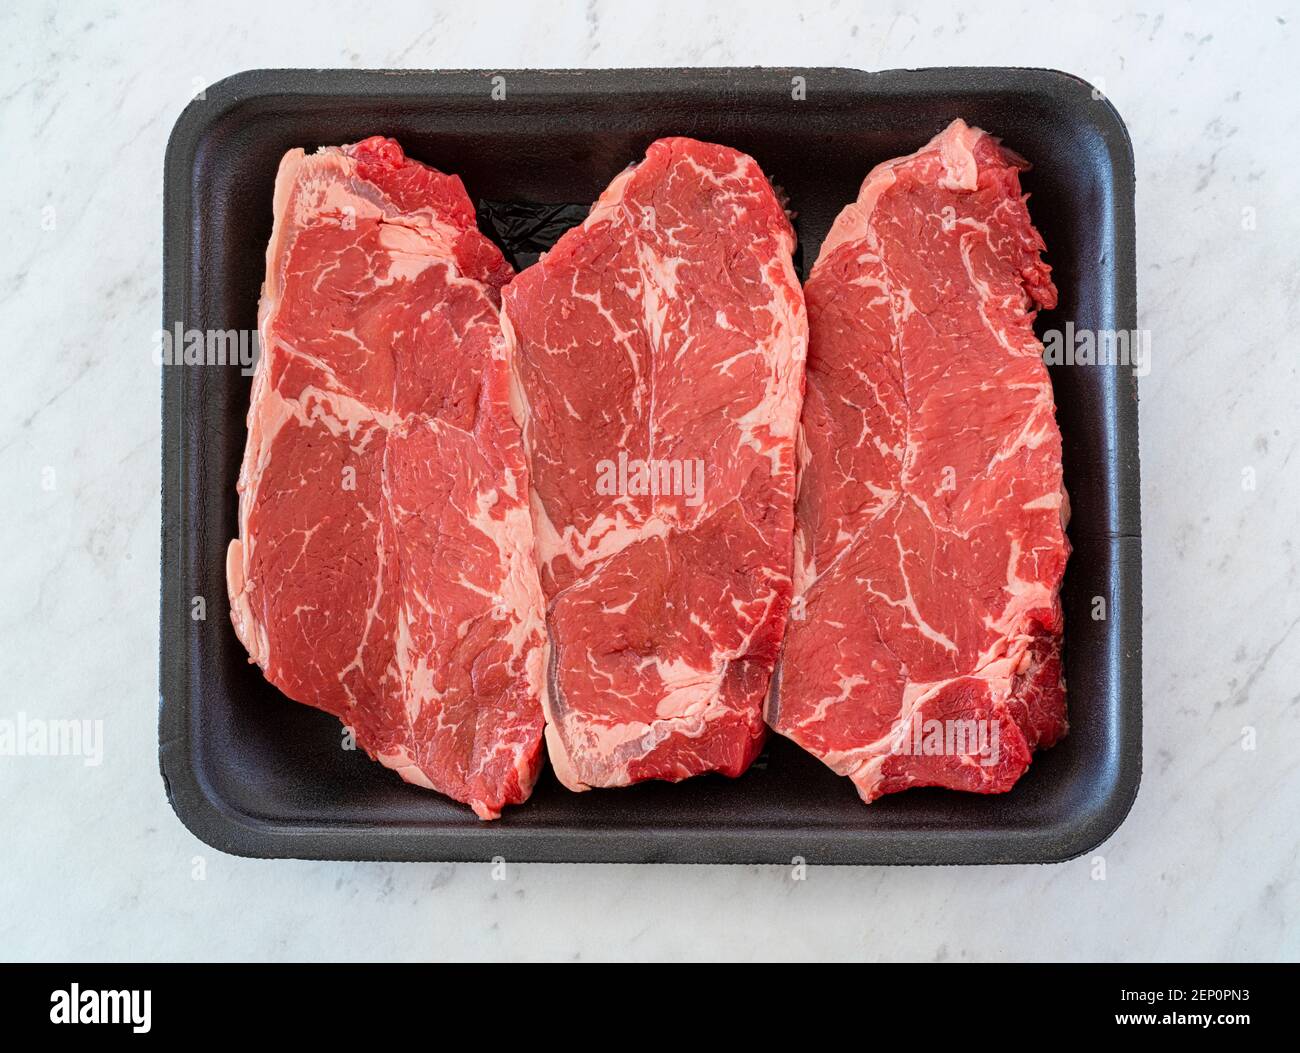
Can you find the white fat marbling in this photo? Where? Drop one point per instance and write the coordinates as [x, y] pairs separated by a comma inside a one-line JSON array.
[[94, 864]]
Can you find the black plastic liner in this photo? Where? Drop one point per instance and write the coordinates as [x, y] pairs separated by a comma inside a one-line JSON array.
[[252, 773], [523, 230]]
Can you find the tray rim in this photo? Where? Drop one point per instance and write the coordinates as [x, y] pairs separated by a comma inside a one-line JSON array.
[[201, 809]]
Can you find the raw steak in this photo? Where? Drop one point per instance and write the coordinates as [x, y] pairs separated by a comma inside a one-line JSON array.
[[659, 350], [383, 570], [925, 641]]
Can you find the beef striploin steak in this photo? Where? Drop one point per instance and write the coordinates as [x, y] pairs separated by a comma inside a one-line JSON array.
[[925, 642], [383, 570], [659, 353]]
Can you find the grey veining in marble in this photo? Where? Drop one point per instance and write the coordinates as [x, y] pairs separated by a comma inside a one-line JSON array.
[[95, 864]]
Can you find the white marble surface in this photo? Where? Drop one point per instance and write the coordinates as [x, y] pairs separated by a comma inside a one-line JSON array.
[[93, 862]]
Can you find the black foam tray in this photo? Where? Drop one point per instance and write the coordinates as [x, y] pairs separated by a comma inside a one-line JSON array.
[[251, 773]]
